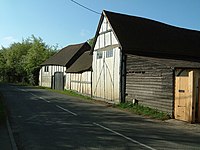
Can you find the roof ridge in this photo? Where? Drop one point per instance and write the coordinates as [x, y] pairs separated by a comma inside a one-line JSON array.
[[141, 35], [147, 19]]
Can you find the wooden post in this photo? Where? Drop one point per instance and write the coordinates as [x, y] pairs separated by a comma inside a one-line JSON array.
[[192, 102], [198, 111]]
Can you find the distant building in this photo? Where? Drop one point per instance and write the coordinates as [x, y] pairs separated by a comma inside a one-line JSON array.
[[53, 71]]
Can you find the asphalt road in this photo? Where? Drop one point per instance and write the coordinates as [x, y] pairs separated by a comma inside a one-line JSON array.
[[44, 120]]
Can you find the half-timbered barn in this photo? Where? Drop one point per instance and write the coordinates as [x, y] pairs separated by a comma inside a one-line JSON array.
[[79, 75], [53, 70], [147, 62]]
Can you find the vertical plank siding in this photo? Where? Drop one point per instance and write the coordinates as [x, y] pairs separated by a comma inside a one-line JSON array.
[[149, 83], [106, 69], [105, 78], [45, 77], [79, 82]]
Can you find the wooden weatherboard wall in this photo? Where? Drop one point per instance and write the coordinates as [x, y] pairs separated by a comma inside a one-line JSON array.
[[150, 83]]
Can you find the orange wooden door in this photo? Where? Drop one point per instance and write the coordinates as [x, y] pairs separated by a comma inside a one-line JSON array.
[[183, 99], [198, 106]]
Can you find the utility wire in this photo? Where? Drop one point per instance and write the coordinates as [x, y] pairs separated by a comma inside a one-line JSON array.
[[86, 7]]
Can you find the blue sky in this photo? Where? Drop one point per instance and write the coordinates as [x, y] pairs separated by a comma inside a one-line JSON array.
[[63, 22]]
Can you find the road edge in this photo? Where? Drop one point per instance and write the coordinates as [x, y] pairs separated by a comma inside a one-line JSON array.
[[12, 140]]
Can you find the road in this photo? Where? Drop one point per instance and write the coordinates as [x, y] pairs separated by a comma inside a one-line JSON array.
[[44, 120]]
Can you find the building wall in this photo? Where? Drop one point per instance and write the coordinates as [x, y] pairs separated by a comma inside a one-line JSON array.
[[46, 73], [79, 82], [106, 65], [150, 83]]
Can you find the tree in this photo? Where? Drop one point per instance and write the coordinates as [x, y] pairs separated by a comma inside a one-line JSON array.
[[90, 41], [2, 64], [37, 54], [15, 56], [21, 61]]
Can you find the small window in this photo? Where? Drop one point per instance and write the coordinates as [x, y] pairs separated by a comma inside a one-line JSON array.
[[109, 53], [99, 54], [46, 69]]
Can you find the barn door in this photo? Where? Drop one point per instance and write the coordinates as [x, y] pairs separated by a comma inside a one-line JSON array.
[[58, 81], [184, 97]]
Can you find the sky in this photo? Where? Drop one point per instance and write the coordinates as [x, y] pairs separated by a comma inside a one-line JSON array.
[[62, 22]]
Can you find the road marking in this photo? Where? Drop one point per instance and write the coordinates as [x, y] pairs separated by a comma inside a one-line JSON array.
[[126, 137], [19, 89], [33, 94], [22, 90], [10, 133], [40, 98], [66, 110], [44, 99]]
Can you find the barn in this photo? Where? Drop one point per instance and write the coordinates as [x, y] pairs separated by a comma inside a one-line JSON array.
[[79, 75], [148, 62], [53, 70]]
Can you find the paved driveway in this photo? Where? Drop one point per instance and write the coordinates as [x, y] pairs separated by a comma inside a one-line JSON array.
[[41, 119]]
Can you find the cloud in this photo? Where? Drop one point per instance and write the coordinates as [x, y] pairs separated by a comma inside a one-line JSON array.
[[9, 39], [6, 41], [84, 32]]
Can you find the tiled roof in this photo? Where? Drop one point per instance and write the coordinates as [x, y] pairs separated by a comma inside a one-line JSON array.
[[83, 63], [68, 55], [142, 36]]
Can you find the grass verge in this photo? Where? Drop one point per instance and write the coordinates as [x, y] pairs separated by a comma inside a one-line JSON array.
[[144, 111], [68, 92]]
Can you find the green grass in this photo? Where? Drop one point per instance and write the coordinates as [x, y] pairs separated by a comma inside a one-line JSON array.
[[144, 111], [74, 94], [68, 92]]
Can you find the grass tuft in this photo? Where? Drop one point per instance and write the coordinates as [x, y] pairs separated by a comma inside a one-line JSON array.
[[144, 111], [75, 94]]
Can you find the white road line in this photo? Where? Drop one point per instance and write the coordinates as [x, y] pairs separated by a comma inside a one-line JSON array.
[[22, 90], [40, 98], [128, 138], [66, 110], [19, 89], [44, 99], [33, 94], [10, 133]]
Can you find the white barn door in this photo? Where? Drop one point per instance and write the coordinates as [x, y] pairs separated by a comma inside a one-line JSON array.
[[106, 65]]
